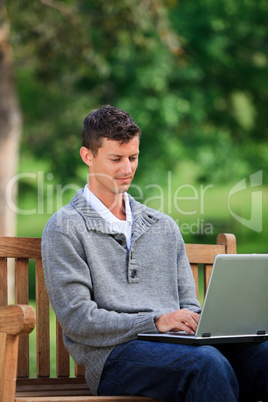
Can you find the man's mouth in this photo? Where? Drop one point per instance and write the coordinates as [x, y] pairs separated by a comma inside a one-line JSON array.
[[124, 179]]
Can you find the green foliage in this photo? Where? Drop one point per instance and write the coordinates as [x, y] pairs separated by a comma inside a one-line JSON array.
[[192, 74], [222, 75]]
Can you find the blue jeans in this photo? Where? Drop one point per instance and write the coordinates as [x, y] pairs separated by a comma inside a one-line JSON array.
[[171, 372]]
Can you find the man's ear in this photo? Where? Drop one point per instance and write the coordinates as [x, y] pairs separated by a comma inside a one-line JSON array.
[[86, 156]]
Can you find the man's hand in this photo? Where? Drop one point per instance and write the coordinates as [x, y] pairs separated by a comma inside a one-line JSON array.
[[179, 320]]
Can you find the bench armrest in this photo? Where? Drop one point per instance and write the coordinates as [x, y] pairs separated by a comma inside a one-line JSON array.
[[15, 320]]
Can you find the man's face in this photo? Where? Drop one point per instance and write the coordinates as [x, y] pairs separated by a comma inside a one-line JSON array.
[[113, 168]]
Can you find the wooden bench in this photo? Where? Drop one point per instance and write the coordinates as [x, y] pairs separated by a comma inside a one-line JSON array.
[[19, 319]]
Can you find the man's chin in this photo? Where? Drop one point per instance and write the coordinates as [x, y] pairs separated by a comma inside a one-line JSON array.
[[122, 188]]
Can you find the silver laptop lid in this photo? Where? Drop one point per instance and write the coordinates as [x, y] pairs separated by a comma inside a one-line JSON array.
[[236, 301]]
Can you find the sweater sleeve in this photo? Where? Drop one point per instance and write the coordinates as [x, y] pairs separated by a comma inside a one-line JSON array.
[[71, 293]]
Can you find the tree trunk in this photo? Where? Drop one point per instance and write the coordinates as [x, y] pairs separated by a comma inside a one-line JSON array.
[[10, 130]]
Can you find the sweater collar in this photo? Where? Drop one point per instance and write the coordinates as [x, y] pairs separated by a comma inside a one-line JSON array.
[[104, 212], [144, 217]]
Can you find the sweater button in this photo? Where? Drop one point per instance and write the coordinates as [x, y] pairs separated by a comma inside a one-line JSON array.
[[134, 273]]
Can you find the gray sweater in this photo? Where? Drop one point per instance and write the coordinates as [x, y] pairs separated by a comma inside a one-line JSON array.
[[103, 294]]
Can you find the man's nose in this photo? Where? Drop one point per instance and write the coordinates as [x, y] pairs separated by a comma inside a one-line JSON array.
[[126, 167]]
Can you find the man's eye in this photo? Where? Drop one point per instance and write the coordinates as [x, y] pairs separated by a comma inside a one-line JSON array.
[[115, 160]]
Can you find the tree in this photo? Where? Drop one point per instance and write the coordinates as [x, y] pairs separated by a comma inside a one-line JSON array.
[[76, 55], [193, 74], [10, 132], [10, 126]]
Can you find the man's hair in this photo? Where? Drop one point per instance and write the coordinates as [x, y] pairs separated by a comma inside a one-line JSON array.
[[108, 122]]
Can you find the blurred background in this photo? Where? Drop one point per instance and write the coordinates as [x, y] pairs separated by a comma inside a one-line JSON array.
[[194, 76], [192, 73]]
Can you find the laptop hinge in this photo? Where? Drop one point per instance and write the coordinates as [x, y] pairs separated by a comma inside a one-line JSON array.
[[206, 335], [262, 332]]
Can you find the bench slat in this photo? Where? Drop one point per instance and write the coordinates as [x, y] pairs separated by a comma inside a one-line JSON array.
[[3, 282], [24, 384], [63, 358], [42, 323], [207, 272], [79, 370], [195, 275], [22, 297], [23, 247], [203, 253]]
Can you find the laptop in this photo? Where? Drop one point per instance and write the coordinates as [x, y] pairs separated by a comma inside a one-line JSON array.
[[235, 307]]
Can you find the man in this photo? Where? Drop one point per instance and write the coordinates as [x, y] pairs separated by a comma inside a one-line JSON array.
[[114, 268]]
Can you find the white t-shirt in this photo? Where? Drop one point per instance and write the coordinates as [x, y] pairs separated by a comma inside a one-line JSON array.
[[117, 225]]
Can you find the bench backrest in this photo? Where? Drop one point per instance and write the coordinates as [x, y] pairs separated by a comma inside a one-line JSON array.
[[201, 257]]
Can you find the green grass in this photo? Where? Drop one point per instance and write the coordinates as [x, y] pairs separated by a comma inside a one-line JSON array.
[[203, 212]]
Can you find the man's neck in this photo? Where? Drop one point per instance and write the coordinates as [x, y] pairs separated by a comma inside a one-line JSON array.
[[119, 211], [114, 202]]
